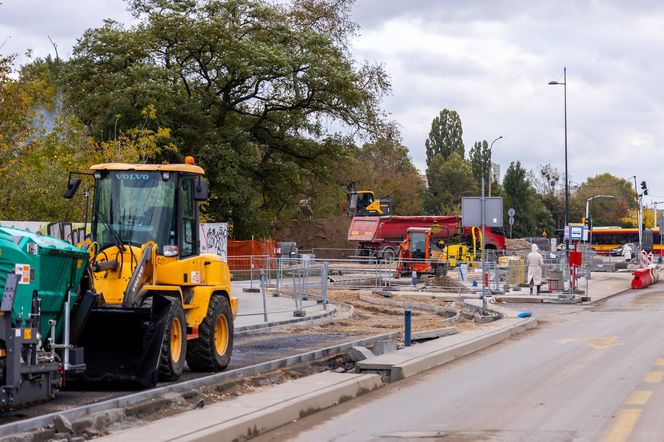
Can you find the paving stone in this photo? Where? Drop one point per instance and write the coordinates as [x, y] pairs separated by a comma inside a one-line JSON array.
[[382, 347], [359, 353], [62, 425]]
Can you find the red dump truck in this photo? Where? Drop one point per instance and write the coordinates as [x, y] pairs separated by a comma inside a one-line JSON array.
[[380, 236]]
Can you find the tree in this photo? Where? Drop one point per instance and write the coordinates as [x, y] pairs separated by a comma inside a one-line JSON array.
[[249, 87], [532, 217], [385, 167], [480, 161], [445, 136], [40, 144], [546, 180], [449, 179], [604, 211], [547, 184], [382, 166]]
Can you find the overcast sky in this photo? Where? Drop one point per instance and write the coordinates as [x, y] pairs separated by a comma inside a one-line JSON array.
[[488, 60]]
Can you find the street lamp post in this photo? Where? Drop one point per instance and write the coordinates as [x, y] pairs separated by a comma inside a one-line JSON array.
[[564, 84], [588, 213], [491, 165], [655, 203]]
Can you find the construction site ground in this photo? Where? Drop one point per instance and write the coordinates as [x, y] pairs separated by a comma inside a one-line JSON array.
[[367, 319]]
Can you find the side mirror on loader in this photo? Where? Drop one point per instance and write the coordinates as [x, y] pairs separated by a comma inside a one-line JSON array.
[[201, 192], [72, 187]]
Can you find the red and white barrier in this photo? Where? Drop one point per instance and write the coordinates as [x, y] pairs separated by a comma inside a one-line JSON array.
[[642, 278]]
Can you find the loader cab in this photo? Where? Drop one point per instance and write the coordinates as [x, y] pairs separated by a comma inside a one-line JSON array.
[[418, 243], [365, 203], [155, 203], [358, 201]]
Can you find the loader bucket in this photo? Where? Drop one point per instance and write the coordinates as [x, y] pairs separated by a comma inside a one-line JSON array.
[[123, 345]]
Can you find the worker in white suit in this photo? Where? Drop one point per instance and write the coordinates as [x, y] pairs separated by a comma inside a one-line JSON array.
[[535, 263]]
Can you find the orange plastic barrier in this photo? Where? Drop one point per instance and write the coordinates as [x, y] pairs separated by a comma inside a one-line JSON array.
[[250, 254], [642, 278]]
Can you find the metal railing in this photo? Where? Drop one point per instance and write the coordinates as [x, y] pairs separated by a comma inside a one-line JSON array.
[[267, 286]]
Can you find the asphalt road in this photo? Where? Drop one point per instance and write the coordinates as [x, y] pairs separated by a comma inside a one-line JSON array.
[[587, 373]]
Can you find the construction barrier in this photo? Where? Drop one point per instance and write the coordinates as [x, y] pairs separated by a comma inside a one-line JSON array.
[[642, 278], [250, 254]]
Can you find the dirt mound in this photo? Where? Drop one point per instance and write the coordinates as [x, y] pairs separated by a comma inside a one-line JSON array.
[[328, 236], [518, 244]]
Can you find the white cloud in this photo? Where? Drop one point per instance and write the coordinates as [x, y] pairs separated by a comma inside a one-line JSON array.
[[490, 61]]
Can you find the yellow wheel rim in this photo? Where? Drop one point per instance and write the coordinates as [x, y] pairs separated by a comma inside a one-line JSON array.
[[176, 339], [221, 334]]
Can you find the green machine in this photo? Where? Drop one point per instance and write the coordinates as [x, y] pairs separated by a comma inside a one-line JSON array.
[[40, 278]]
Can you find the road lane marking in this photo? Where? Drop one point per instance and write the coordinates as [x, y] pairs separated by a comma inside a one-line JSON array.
[[598, 343], [623, 425], [653, 377], [659, 363], [638, 397]]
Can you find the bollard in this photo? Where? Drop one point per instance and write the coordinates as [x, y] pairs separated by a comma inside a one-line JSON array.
[[277, 292], [251, 273], [323, 283], [414, 276], [406, 338], [264, 291]]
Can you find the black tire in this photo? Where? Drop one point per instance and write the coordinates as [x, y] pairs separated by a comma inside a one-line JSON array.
[[205, 353], [388, 255], [172, 358]]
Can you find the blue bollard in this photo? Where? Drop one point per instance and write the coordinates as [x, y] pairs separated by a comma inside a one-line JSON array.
[[414, 276], [406, 338]]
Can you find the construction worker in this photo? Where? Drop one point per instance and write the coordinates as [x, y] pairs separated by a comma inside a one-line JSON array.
[[627, 252], [535, 263]]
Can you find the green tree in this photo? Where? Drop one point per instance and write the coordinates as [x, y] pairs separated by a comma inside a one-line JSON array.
[[385, 167], [247, 86], [479, 158], [532, 216], [40, 145], [382, 166], [604, 211], [546, 182], [445, 136], [449, 180]]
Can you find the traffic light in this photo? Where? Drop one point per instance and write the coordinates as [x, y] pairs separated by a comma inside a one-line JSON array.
[[644, 187]]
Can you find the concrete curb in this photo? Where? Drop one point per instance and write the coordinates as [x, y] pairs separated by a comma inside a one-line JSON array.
[[303, 321], [607, 297], [321, 319], [417, 363], [414, 305], [257, 413], [254, 414], [179, 387]]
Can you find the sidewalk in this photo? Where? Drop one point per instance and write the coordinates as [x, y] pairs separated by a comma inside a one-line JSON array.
[[278, 309], [601, 285]]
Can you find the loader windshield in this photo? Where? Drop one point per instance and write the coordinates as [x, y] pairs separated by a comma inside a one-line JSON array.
[[417, 245], [136, 207]]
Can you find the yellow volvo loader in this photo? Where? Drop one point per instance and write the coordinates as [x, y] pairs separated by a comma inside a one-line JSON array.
[[365, 203], [156, 300]]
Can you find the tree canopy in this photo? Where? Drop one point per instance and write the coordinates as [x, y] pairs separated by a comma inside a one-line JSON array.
[[449, 180], [248, 86], [445, 136], [480, 161], [531, 217], [604, 211]]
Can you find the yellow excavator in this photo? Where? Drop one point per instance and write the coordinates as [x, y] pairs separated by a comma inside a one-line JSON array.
[[365, 203], [154, 300]]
